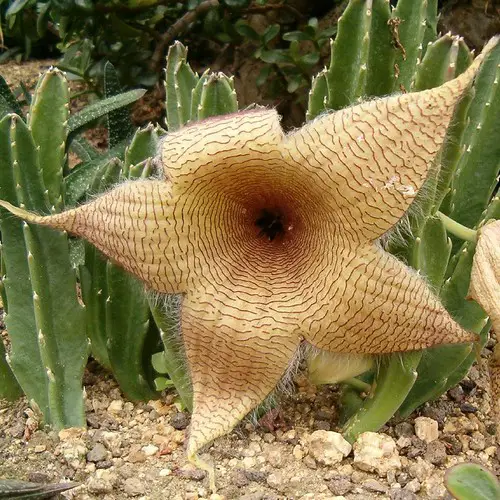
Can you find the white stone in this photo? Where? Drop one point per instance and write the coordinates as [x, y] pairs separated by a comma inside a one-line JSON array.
[[426, 429], [327, 447], [150, 450], [297, 452], [165, 472], [248, 462], [376, 452], [115, 406]]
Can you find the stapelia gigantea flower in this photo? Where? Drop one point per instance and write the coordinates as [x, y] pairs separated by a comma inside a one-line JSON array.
[[485, 289], [272, 240]]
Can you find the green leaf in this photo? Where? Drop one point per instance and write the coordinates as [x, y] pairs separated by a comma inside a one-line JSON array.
[[470, 481], [263, 76], [245, 30], [9, 98], [310, 59], [296, 36], [275, 56], [119, 125], [15, 7], [236, 4], [294, 82], [101, 108], [270, 33]]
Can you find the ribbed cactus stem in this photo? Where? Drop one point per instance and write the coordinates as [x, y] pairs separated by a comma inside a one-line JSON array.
[[180, 80], [48, 122]]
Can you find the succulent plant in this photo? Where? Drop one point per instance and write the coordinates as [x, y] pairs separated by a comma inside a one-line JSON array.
[[257, 243], [470, 481], [265, 235], [44, 316]]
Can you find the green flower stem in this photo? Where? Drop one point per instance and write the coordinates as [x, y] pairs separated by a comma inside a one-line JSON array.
[[357, 384], [455, 228]]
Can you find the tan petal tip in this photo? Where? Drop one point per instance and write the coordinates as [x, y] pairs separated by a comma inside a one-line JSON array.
[[205, 466]]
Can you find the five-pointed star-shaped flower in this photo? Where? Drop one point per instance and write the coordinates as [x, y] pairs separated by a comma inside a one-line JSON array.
[[272, 240]]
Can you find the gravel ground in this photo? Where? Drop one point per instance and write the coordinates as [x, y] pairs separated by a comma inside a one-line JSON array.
[[137, 450]]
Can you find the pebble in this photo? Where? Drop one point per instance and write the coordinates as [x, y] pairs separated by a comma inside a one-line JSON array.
[[376, 452], [297, 452], [403, 442], [420, 469], [104, 464], [374, 485], [115, 406], [248, 462], [97, 454], [150, 450], [436, 453], [340, 485], [165, 472], [404, 429], [413, 486], [398, 494], [179, 420], [275, 480], [99, 486], [455, 445], [417, 448], [457, 394], [275, 458], [477, 441], [426, 429], [40, 448], [460, 425], [310, 463], [436, 413], [190, 472], [133, 487], [254, 475], [327, 447], [136, 457]]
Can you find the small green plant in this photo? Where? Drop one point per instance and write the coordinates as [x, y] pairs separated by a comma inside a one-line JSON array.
[[44, 316], [471, 482]]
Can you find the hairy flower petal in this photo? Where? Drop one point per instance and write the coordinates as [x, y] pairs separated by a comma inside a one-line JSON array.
[[372, 159], [134, 226], [376, 305], [485, 289], [236, 357]]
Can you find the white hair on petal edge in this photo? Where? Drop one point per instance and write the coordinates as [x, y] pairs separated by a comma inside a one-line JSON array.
[[170, 305]]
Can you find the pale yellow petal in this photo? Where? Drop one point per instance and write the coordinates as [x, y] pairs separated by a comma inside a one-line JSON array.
[[236, 357], [378, 305], [219, 145], [371, 159], [134, 226], [485, 274], [485, 289]]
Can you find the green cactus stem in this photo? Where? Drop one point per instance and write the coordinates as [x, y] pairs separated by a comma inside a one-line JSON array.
[[412, 27], [477, 171], [180, 80], [395, 379], [48, 122], [457, 229], [213, 95], [362, 55], [9, 387]]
